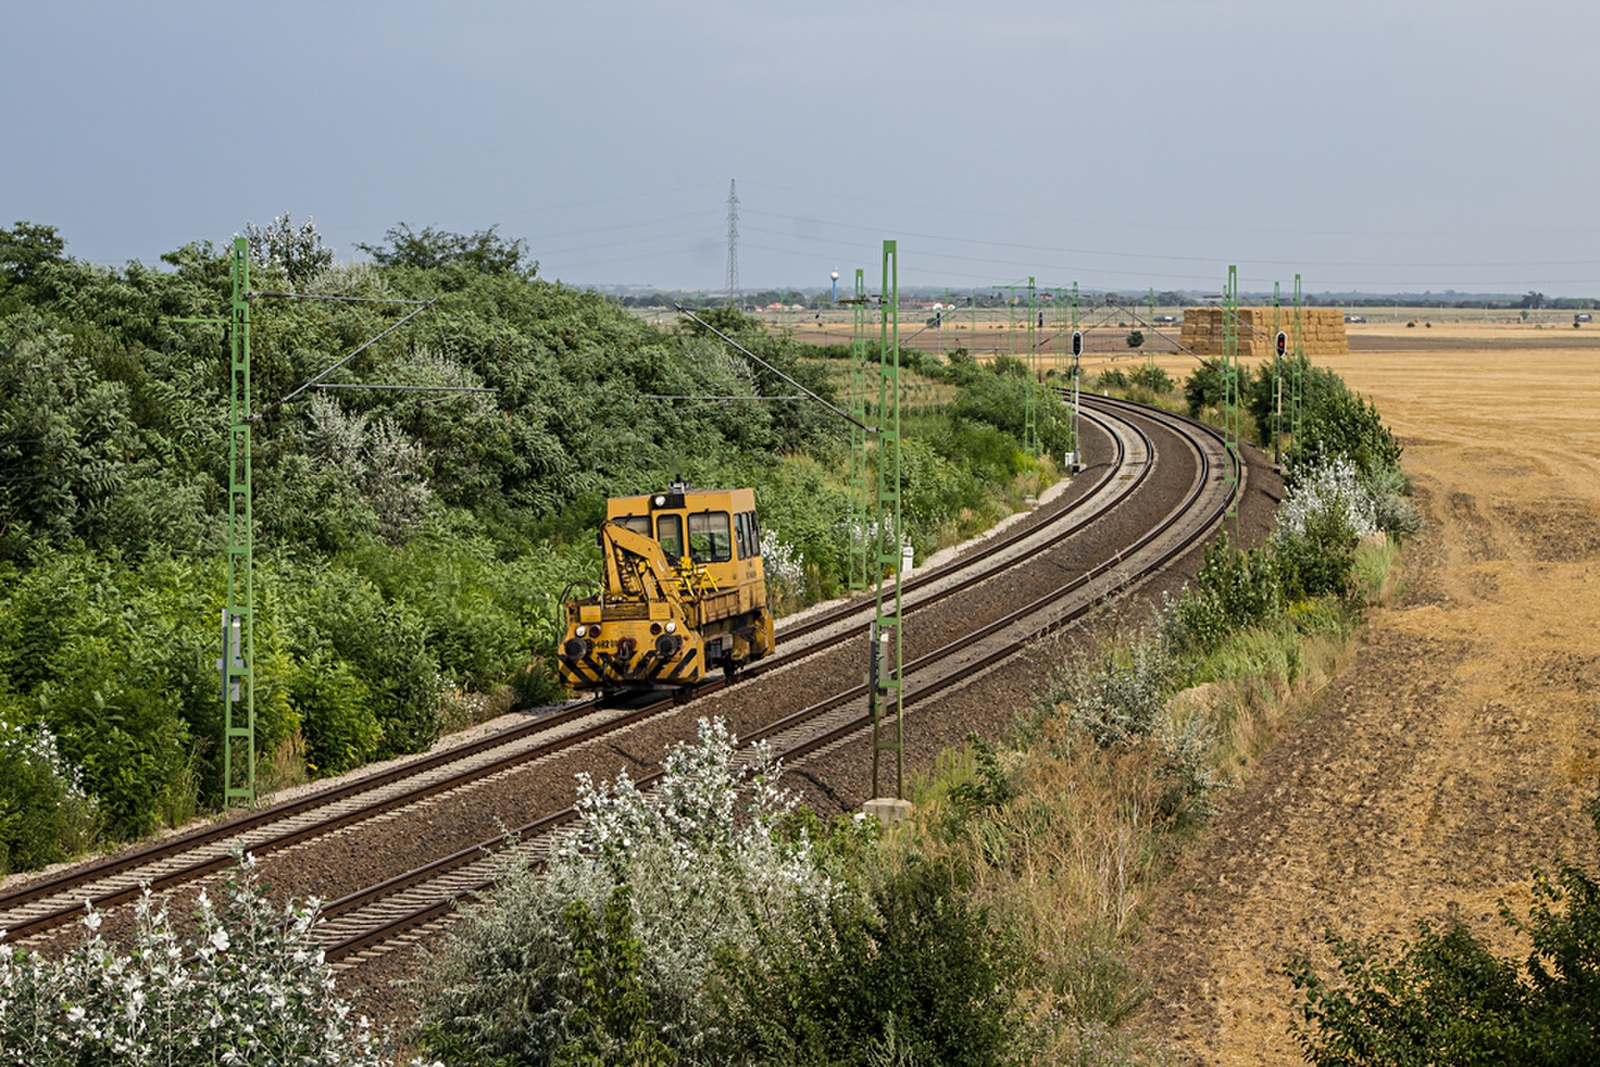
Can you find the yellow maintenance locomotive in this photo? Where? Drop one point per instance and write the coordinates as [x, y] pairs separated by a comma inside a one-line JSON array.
[[683, 592]]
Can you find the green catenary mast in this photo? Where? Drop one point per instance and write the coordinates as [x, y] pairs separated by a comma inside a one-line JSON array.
[[1297, 387], [1230, 390], [886, 691], [860, 440], [238, 618]]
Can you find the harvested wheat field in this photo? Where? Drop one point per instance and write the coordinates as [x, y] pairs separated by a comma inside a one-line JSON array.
[[1458, 747]]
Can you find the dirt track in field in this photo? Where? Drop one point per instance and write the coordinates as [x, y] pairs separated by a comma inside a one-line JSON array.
[[1458, 748]]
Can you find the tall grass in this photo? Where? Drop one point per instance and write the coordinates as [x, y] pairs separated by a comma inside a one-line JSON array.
[[1103, 782]]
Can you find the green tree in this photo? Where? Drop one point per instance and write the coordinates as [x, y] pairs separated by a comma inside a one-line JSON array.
[[484, 251], [24, 249]]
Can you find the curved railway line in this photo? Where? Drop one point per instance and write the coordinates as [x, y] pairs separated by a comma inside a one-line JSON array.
[[962, 638]]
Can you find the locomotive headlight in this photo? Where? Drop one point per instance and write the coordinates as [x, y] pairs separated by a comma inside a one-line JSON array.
[[655, 628], [581, 631], [660, 501], [672, 627]]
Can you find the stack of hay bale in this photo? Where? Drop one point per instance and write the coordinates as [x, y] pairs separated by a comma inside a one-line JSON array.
[[1321, 331]]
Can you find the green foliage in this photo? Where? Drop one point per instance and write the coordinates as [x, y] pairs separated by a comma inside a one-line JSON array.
[[991, 787], [916, 970], [1344, 424], [1202, 390], [1153, 378], [1135, 338], [25, 248], [999, 399], [1120, 698], [1110, 378], [1318, 559], [110, 662], [386, 644], [611, 1021], [296, 251], [1445, 998], [45, 815], [339, 720], [1234, 589], [485, 251]]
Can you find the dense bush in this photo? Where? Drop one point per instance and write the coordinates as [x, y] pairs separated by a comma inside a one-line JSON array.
[[913, 972], [1110, 378], [45, 814], [997, 396], [1343, 424], [1153, 378], [1234, 589]]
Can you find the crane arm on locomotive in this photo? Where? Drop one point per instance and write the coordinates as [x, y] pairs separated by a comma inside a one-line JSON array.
[[682, 592]]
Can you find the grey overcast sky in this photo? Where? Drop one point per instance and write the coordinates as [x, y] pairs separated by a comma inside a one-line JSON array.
[[1378, 145]]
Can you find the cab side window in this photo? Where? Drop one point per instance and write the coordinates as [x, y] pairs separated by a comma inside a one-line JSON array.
[[710, 537], [746, 535]]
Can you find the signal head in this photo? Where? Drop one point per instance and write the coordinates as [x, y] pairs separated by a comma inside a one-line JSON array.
[[1077, 342], [1283, 342]]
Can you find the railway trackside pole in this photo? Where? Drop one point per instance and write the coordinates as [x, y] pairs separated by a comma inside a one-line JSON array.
[[1230, 391], [1297, 388], [238, 619], [860, 440], [887, 694], [238, 659], [1030, 410], [1030, 402], [1077, 351]]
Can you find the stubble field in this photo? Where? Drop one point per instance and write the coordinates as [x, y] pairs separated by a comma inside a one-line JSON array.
[[1459, 747]]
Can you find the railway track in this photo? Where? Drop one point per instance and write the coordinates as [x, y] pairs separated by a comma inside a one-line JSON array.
[[380, 916], [34, 909]]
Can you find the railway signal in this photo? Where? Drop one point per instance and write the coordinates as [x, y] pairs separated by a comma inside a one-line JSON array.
[[1077, 343], [1283, 343]]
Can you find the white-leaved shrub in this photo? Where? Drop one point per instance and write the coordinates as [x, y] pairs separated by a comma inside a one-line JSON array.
[[783, 564], [1333, 484], [382, 461], [296, 250], [249, 985], [1119, 699], [704, 873]]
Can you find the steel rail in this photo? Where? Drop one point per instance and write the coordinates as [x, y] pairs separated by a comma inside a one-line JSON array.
[[385, 930], [237, 832]]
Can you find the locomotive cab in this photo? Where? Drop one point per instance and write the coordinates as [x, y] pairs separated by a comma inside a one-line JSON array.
[[683, 593]]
